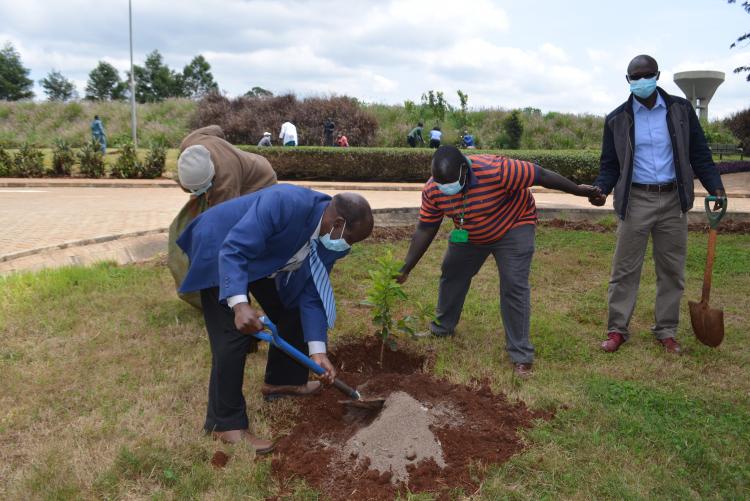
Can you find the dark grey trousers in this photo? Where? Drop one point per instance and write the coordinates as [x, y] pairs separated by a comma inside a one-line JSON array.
[[659, 216], [513, 254]]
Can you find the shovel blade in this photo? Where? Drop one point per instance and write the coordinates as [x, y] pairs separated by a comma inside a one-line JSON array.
[[708, 323]]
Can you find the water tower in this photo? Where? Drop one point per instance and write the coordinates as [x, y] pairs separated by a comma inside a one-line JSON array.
[[699, 88]]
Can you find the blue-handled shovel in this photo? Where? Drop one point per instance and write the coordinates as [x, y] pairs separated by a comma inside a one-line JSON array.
[[272, 337]]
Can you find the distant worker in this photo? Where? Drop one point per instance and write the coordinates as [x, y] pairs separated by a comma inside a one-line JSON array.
[[328, 128], [435, 136], [265, 140], [288, 134], [468, 141], [342, 141], [213, 171], [97, 132], [414, 135]]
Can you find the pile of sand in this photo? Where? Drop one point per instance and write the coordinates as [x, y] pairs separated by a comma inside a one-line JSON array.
[[400, 436]]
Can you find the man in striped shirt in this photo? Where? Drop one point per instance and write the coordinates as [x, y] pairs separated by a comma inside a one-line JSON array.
[[493, 211]]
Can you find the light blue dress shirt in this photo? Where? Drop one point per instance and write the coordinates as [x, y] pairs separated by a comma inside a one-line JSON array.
[[653, 160]]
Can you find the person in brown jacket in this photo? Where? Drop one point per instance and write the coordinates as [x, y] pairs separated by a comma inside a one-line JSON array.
[[213, 171]]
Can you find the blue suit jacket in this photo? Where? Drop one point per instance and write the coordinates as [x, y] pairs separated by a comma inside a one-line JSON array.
[[251, 237]]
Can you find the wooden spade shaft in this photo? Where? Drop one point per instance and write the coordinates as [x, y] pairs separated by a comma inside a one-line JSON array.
[[708, 273]]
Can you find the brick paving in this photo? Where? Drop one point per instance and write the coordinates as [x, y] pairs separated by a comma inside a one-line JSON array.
[[43, 214]]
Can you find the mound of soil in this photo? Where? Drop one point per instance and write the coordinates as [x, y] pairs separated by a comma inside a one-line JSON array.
[[361, 356], [431, 436]]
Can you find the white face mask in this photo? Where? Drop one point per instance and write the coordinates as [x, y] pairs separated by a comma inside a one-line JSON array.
[[337, 245], [451, 188]]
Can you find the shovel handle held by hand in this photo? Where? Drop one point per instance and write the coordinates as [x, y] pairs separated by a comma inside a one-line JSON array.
[[276, 340], [715, 217]]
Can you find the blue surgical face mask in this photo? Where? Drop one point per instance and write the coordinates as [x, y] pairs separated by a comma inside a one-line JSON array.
[[643, 87], [337, 245], [451, 188]]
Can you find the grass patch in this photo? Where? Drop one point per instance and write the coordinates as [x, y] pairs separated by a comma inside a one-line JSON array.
[[104, 377]]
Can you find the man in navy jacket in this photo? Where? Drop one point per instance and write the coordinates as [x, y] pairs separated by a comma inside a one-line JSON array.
[[264, 243]]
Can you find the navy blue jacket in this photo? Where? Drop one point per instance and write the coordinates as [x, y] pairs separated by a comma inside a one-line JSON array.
[[692, 157], [253, 236]]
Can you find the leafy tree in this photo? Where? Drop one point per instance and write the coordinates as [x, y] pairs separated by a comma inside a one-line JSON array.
[[197, 80], [435, 102], [15, 83], [745, 37], [155, 81], [463, 99], [57, 87], [258, 92], [104, 83], [513, 129]]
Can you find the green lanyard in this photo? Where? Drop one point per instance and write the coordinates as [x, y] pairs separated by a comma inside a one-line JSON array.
[[460, 235]]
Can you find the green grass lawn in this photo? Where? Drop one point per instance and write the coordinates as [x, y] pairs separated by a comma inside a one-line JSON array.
[[104, 379]]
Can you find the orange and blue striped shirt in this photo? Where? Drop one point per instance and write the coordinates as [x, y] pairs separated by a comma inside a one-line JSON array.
[[497, 199]]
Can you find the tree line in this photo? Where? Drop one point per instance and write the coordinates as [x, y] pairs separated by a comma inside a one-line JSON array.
[[154, 81]]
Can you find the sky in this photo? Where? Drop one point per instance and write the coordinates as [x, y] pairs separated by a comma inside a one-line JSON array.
[[552, 55]]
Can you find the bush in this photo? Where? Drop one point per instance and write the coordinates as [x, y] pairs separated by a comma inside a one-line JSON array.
[[514, 130], [28, 162], [732, 167], [739, 124], [6, 163], [127, 165], [63, 158], [155, 162], [406, 164], [91, 159], [244, 119]]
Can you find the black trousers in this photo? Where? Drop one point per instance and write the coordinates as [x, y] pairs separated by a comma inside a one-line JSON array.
[[229, 348]]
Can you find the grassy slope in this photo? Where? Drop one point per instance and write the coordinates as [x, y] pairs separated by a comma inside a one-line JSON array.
[[105, 373]]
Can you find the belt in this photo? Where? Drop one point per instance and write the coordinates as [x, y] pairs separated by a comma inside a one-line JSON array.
[[656, 187]]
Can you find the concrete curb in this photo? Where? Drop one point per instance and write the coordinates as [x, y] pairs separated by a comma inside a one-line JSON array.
[[80, 243], [317, 185], [403, 216]]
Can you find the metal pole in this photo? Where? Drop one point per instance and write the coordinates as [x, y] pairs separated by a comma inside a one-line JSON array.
[[132, 77]]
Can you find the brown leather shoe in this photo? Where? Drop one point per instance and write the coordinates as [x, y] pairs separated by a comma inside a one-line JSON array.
[[274, 392], [671, 345], [524, 371], [260, 445], [613, 342]]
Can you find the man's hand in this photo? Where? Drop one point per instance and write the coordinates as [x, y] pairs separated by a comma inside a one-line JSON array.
[[586, 190], [719, 204], [402, 276], [246, 319], [330, 372], [597, 198]]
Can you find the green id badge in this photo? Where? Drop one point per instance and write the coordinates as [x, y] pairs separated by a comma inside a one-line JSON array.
[[459, 236]]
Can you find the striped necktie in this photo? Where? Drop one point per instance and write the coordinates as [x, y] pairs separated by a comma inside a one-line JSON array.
[[322, 283]]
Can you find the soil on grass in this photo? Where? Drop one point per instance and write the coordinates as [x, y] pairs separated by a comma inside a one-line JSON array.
[[431, 436]]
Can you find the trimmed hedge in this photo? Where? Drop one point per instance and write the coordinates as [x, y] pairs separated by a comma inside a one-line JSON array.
[[406, 164], [731, 167]]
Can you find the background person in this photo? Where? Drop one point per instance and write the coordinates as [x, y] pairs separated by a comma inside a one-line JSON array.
[[279, 244], [213, 171], [467, 141], [435, 137], [493, 211], [342, 141], [265, 141], [288, 134], [328, 128], [653, 190], [415, 135], [97, 132]]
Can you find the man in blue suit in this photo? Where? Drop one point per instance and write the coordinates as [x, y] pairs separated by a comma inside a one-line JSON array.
[[279, 244]]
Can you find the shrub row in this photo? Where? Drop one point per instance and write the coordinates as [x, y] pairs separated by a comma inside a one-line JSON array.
[[732, 167], [244, 119], [28, 161], [406, 164]]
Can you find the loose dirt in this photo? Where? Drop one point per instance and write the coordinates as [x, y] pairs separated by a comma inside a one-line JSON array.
[[431, 436]]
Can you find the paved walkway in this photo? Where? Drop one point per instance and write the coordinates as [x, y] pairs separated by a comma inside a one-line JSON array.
[[48, 217]]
